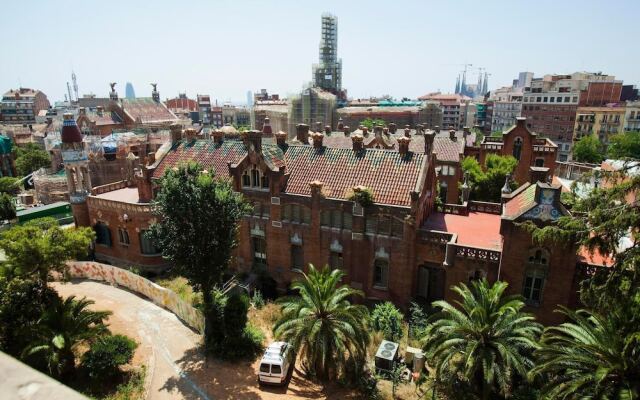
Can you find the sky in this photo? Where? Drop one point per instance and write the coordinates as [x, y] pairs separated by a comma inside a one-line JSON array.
[[226, 48]]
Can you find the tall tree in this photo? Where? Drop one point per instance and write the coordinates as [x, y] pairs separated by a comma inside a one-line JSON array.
[[624, 145], [487, 181], [31, 158], [590, 357], [64, 326], [199, 216], [486, 342], [40, 247], [588, 150], [326, 330]]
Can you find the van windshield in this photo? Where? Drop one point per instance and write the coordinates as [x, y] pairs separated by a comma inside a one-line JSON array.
[[275, 369], [265, 368]]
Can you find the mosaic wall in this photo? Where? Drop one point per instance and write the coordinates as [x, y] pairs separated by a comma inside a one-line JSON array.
[[163, 297]]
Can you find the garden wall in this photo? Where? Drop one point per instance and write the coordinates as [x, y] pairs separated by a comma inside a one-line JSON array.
[[163, 297]]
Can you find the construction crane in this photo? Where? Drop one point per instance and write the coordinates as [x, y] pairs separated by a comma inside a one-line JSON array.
[[75, 84], [69, 91]]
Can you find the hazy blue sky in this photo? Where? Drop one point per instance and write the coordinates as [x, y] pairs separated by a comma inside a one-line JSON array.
[[224, 48]]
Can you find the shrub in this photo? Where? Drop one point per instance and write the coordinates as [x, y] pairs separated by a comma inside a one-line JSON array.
[[107, 354], [361, 195], [257, 300], [417, 321], [387, 319]]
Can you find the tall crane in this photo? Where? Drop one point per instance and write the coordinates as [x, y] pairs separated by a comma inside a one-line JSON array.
[[69, 91], [479, 87], [75, 84]]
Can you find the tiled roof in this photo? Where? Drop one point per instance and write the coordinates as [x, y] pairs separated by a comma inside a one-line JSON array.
[[390, 176], [107, 118], [215, 157], [447, 149], [520, 203], [595, 258], [476, 229], [147, 110]]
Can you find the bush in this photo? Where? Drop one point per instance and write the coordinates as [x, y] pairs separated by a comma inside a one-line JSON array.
[[257, 300], [387, 319], [418, 321], [107, 354], [361, 195]]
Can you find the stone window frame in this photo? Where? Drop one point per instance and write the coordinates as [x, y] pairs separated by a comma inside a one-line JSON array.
[[336, 218], [536, 269], [396, 225], [304, 213], [123, 236], [259, 257], [254, 179]]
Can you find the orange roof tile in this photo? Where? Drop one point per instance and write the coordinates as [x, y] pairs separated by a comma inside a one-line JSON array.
[[476, 229], [595, 258]]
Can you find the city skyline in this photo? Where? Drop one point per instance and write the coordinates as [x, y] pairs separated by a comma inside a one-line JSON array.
[[273, 46]]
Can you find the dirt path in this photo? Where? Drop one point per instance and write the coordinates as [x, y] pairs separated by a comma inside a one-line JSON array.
[[176, 367]]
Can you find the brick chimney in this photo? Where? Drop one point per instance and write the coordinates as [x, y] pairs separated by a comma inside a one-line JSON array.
[[452, 134], [436, 128], [254, 140], [316, 188], [346, 130], [143, 179], [281, 138], [521, 121], [151, 158], [340, 124], [428, 142], [176, 133], [302, 133], [190, 134], [538, 174], [465, 132], [327, 129], [319, 126], [357, 141], [407, 131], [385, 131], [317, 139], [393, 128], [365, 131], [218, 136], [266, 126], [403, 145], [377, 130], [100, 110], [82, 111], [419, 129]]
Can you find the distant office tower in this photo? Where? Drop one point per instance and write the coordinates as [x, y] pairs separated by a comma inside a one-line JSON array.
[[249, 98], [524, 79], [129, 92], [327, 74]]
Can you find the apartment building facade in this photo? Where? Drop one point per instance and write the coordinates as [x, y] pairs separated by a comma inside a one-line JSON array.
[[22, 105]]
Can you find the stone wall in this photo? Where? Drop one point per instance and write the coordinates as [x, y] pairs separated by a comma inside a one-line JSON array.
[[163, 297]]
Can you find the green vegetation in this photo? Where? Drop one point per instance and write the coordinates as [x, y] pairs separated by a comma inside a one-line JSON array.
[[487, 183], [200, 250], [624, 145], [107, 354], [371, 123], [180, 286], [484, 345], [386, 318], [361, 195], [9, 185], [329, 333], [7, 208], [31, 158], [588, 150]]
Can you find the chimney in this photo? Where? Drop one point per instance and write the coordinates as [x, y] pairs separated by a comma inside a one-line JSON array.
[[436, 128], [100, 110], [428, 142], [281, 138], [155, 95], [82, 111], [266, 126], [190, 134], [465, 132], [419, 129], [49, 120], [357, 142], [393, 128], [403, 145], [385, 131], [346, 130], [319, 126], [302, 133], [521, 122], [254, 138], [327, 130], [151, 158], [452, 134], [316, 188], [538, 174], [176, 133], [407, 131], [317, 139], [407, 127], [218, 136], [377, 130], [365, 131], [465, 188], [340, 124]]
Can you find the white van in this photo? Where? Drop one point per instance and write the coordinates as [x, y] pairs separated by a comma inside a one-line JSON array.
[[276, 362]]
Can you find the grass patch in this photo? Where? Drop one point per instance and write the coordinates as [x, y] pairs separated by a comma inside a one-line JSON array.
[[129, 385], [180, 286]]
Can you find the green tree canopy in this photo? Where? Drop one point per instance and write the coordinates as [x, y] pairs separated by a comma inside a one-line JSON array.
[[9, 184], [624, 145], [31, 158], [7, 208], [372, 122], [484, 345], [486, 183], [199, 216], [326, 330], [588, 150]]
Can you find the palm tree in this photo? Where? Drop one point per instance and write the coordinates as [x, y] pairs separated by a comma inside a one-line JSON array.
[[322, 325], [590, 357], [484, 344], [62, 327]]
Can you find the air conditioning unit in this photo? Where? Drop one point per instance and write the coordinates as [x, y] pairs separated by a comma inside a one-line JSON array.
[[386, 355]]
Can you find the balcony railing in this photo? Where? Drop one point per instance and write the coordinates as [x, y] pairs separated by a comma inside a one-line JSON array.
[[485, 207], [477, 253]]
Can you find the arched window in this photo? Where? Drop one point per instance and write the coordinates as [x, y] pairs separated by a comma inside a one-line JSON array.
[[147, 247], [381, 273], [103, 234], [535, 276], [517, 148]]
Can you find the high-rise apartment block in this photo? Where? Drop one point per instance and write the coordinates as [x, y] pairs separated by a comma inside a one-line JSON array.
[[21, 106]]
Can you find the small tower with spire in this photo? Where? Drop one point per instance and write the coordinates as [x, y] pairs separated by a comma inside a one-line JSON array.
[[76, 167], [155, 95]]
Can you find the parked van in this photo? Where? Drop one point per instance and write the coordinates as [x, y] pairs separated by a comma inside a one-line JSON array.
[[276, 362]]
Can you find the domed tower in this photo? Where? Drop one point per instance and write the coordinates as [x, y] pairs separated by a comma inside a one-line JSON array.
[[76, 167]]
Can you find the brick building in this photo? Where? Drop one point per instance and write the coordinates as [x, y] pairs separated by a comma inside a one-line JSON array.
[[427, 114], [600, 121], [397, 249], [21, 106]]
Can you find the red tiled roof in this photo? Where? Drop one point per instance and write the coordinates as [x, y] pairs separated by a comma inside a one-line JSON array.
[[391, 176], [594, 259], [212, 156], [520, 203], [107, 118], [147, 110], [447, 149], [476, 229]]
